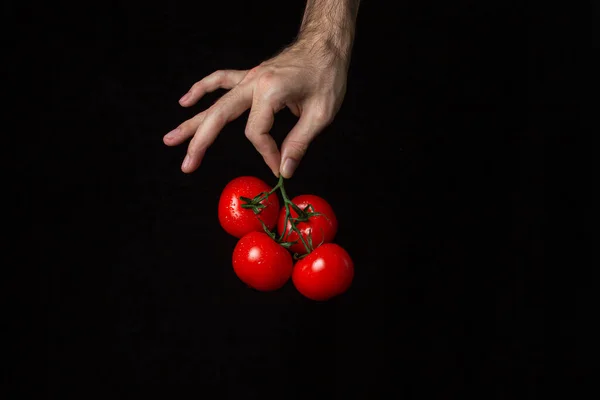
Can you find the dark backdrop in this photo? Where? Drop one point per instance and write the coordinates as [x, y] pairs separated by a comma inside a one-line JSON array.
[[434, 166]]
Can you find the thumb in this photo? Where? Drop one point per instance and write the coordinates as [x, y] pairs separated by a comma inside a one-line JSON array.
[[297, 141]]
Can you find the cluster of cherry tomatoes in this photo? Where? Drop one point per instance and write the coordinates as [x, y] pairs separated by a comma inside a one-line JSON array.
[[301, 247]]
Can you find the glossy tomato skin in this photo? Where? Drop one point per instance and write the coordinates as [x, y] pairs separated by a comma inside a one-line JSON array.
[[262, 263], [323, 228], [326, 272], [238, 221]]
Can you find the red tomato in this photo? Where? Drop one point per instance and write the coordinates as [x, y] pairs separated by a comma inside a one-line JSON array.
[[326, 272], [323, 228], [261, 263], [239, 221]]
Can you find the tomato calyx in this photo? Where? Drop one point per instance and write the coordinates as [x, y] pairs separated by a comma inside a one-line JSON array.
[[303, 215], [255, 204], [311, 247]]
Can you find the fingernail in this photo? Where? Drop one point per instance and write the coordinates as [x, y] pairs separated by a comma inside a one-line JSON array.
[[174, 132], [185, 97], [186, 162], [289, 166]]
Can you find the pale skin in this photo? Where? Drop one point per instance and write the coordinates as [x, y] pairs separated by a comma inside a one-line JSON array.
[[308, 77]]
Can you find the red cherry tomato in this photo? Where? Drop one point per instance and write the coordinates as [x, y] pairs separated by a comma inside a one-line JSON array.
[[262, 263], [239, 221], [323, 228], [326, 272]]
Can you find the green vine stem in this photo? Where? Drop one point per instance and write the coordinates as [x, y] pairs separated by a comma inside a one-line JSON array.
[[255, 204], [288, 216]]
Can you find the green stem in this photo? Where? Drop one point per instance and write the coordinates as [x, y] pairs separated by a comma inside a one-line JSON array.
[[288, 203], [255, 204], [279, 185]]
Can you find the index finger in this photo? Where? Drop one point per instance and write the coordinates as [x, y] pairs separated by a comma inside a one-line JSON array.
[[226, 109], [260, 122]]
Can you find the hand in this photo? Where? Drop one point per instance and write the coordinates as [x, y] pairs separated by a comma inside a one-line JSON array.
[[307, 77]]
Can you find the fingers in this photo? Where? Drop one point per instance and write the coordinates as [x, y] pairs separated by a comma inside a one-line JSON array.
[[311, 123], [223, 79], [184, 131], [265, 95], [228, 108], [260, 122]]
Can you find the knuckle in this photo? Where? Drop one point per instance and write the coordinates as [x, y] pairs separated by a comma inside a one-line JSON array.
[[250, 75], [266, 79], [253, 72], [218, 77], [192, 149], [249, 132], [268, 85], [253, 133], [192, 123], [298, 146], [323, 114], [217, 116], [197, 144], [187, 125], [197, 86]]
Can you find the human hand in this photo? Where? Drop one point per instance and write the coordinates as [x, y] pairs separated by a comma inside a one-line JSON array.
[[309, 77]]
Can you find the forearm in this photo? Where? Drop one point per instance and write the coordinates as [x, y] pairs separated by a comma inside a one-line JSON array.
[[328, 26]]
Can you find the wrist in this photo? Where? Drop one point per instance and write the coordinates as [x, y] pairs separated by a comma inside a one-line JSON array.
[[331, 45], [328, 28]]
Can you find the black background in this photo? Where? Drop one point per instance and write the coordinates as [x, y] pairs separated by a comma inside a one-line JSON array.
[[434, 165]]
